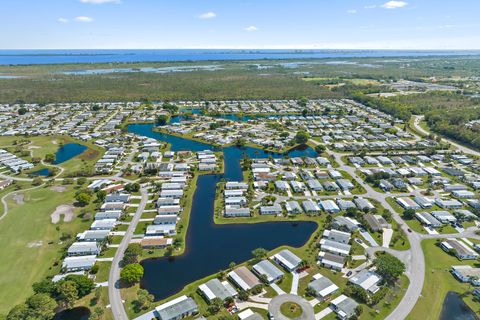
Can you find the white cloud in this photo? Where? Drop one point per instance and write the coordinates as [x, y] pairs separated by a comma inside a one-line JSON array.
[[251, 29], [208, 15], [99, 1], [352, 11], [394, 4], [83, 19], [62, 20]]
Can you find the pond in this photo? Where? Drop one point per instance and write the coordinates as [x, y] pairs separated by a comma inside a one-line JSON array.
[[211, 247], [79, 313], [454, 308], [64, 153]]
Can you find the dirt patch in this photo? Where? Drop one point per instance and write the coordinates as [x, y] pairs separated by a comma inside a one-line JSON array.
[[58, 188], [89, 154], [54, 142], [19, 198], [33, 147], [66, 210], [35, 244]]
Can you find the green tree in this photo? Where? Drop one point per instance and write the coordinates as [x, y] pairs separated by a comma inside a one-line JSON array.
[[67, 293], [45, 286], [389, 267], [22, 111], [302, 137], [41, 306], [215, 306], [408, 214], [259, 253], [132, 273], [162, 119], [84, 284], [320, 148], [96, 314], [83, 198], [101, 195], [144, 299], [19, 312], [133, 251], [50, 157]]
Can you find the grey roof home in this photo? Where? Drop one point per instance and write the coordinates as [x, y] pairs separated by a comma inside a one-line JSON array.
[[84, 249], [337, 235], [78, 263], [347, 222], [322, 286], [266, 268], [344, 306], [293, 207], [178, 308], [215, 289], [287, 259]]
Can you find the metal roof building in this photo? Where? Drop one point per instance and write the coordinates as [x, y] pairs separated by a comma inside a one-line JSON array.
[[177, 308]]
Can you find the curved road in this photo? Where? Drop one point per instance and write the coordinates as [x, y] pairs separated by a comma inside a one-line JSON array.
[[416, 124]]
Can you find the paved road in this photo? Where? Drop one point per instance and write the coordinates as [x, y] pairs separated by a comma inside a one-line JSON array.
[[276, 302], [416, 124], [114, 294]]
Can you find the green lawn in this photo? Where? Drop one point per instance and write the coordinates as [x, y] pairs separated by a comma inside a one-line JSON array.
[[438, 281], [31, 243]]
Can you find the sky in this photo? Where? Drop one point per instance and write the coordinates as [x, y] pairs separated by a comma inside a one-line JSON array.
[[246, 24]]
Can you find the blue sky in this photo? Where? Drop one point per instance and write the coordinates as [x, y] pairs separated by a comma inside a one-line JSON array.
[[342, 24]]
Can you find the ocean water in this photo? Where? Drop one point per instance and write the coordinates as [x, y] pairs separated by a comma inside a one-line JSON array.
[[15, 57]]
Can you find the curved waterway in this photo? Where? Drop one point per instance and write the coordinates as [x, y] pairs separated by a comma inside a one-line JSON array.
[[211, 247]]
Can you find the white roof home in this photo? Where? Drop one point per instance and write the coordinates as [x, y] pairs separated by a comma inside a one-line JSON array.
[[344, 306], [215, 289], [335, 247], [461, 250], [322, 286], [293, 207], [78, 263], [427, 219], [287, 259], [329, 206], [444, 216], [178, 308], [310, 206], [274, 209], [337, 235], [84, 249], [266, 268], [407, 203], [367, 280], [331, 261]]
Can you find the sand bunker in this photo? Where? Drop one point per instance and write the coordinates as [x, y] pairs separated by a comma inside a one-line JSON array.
[[19, 198], [66, 210], [58, 188], [35, 244]]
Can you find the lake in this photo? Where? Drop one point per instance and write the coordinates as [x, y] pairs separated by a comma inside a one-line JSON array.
[[454, 308], [64, 153], [211, 247], [15, 57]]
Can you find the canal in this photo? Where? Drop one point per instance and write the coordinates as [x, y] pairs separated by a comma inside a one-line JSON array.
[[211, 247]]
